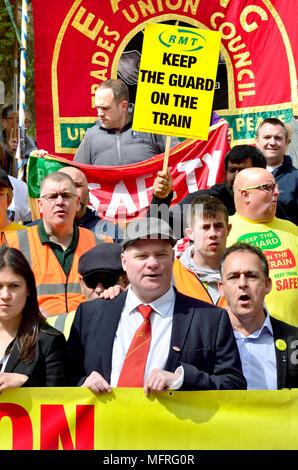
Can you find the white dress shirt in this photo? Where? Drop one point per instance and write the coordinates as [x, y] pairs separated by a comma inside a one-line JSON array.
[[258, 359], [161, 329]]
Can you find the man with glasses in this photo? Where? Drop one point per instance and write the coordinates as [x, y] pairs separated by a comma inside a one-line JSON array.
[[54, 246], [272, 140], [238, 158], [9, 141], [101, 276], [100, 270], [255, 222]]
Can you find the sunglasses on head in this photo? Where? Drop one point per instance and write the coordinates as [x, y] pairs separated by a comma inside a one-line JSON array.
[[107, 280]]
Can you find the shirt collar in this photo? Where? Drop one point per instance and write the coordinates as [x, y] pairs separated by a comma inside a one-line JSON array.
[[112, 130], [161, 305], [44, 238], [272, 168], [266, 327], [267, 323]]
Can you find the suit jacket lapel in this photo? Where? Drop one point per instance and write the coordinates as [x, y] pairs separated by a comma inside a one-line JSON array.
[[111, 319], [182, 318], [13, 359], [281, 356]]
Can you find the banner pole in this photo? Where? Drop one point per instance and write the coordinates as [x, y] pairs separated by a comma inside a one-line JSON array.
[[15, 89], [167, 151], [22, 92]]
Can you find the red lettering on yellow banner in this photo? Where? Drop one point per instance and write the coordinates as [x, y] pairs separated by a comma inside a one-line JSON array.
[[22, 432], [54, 425]]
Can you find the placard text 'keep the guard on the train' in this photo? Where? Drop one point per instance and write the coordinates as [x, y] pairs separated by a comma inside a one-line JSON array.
[[176, 81]]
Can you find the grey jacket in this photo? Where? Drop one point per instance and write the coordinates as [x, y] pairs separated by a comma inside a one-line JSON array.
[[109, 148]]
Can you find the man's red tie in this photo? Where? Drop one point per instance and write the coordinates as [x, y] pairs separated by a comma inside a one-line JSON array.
[[132, 373]]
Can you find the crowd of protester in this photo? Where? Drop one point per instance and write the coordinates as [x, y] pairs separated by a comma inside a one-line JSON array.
[[211, 307]]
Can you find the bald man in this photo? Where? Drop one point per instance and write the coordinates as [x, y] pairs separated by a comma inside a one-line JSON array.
[[85, 216], [255, 194], [255, 222], [81, 184]]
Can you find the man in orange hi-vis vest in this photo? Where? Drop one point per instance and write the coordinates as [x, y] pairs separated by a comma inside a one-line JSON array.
[[196, 271], [54, 246]]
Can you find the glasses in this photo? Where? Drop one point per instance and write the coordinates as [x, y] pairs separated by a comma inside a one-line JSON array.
[[52, 197], [270, 188], [92, 280]]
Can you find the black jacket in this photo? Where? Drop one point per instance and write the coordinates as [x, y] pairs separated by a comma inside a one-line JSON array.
[[287, 360], [286, 177], [202, 341], [48, 366]]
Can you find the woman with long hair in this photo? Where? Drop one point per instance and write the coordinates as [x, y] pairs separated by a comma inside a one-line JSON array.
[[32, 353]]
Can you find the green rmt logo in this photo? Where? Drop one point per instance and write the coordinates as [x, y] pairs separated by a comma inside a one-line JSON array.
[[187, 40], [182, 40]]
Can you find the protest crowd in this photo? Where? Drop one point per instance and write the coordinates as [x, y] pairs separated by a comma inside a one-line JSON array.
[[205, 303]]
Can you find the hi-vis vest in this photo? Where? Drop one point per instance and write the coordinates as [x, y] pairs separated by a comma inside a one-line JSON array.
[[57, 293], [187, 283], [62, 323]]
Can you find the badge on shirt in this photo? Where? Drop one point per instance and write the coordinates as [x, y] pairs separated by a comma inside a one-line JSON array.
[[281, 344]]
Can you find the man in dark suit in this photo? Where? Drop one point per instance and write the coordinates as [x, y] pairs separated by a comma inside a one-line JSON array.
[[267, 346], [190, 343]]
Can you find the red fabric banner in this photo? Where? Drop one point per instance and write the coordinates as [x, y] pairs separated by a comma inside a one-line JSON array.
[[125, 192], [80, 43]]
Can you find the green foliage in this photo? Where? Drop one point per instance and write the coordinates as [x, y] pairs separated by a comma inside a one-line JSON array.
[[7, 47]]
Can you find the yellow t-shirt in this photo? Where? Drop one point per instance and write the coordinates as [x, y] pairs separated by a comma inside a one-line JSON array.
[[278, 240]]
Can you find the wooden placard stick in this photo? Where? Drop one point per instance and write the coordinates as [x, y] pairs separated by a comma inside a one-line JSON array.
[[166, 156]]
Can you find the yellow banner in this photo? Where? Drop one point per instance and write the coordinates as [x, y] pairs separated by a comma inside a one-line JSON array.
[[76, 419], [176, 81]]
